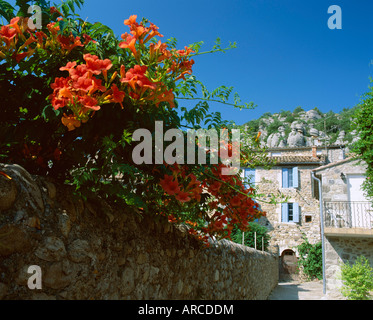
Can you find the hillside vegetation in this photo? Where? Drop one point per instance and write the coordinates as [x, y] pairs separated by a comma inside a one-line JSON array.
[[302, 127]]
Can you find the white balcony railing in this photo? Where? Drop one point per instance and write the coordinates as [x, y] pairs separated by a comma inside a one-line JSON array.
[[352, 214]]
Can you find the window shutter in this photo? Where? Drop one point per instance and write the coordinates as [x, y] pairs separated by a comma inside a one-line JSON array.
[[284, 212], [295, 177], [295, 212], [242, 173], [246, 178], [250, 176], [285, 178]]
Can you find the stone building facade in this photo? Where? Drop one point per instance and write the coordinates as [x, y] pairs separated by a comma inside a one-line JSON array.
[[348, 218], [298, 216]]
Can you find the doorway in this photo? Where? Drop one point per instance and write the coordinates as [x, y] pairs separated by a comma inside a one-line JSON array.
[[288, 265]]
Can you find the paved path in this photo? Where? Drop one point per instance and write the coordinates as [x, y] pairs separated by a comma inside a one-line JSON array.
[[294, 290]]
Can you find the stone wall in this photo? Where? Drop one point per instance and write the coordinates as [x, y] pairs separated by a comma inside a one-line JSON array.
[[94, 250], [339, 250], [334, 188]]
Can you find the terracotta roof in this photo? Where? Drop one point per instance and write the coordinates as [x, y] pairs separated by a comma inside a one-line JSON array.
[[299, 159], [322, 147]]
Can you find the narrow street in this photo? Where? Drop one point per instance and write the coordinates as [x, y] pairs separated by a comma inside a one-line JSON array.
[[295, 290]]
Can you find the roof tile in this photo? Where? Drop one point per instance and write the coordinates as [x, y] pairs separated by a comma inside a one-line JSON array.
[[299, 159]]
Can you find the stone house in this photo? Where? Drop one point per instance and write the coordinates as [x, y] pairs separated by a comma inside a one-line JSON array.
[[298, 217], [347, 216]]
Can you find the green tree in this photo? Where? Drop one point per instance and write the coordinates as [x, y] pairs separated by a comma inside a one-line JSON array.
[[318, 111], [363, 124], [252, 126], [273, 127], [298, 110], [284, 113], [249, 236], [290, 118]]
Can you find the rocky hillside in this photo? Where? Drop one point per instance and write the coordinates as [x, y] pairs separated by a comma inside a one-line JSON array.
[[303, 128]]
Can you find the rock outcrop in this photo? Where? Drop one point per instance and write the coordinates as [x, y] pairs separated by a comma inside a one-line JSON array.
[[300, 129]]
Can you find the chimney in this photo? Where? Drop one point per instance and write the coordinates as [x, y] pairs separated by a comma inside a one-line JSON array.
[[314, 152]]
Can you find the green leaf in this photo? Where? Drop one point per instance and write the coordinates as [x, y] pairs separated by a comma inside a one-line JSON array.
[[6, 10], [71, 6], [65, 9]]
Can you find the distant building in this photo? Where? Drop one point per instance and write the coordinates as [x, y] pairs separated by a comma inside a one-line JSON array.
[[288, 223], [348, 218]]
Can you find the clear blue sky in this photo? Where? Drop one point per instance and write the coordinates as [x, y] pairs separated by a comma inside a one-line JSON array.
[[286, 55]]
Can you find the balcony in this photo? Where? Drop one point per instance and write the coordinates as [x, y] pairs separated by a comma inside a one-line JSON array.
[[348, 219]]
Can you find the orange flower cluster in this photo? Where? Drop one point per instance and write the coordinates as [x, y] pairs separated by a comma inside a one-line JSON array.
[[183, 186], [140, 34], [140, 88], [148, 77], [82, 92], [176, 63], [231, 203], [18, 41], [181, 64], [137, 81], [15, 33]]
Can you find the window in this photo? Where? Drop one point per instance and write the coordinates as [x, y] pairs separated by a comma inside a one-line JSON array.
[[249, 175], [308, 219], [290, 177], [290, 212], [315, 187]]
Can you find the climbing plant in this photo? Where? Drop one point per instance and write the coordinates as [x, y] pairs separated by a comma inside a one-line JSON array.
[[362, 123], [310, 259], [73, 95]]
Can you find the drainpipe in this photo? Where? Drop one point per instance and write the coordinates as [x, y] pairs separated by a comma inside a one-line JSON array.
[[322, 233]]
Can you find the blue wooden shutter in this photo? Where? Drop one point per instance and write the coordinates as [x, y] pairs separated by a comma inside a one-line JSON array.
[[284, 212], [246, 173], [295, 177], [250, 176], [295, 212], [285, 178]]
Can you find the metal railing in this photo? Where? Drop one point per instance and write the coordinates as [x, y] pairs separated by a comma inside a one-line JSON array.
[[348, 214]]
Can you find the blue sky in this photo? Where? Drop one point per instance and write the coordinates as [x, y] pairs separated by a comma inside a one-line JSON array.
[[286, 55]]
